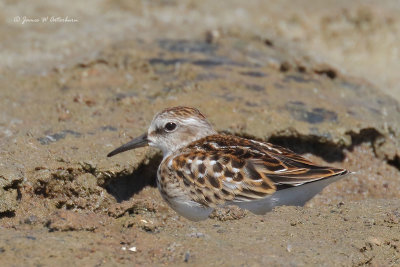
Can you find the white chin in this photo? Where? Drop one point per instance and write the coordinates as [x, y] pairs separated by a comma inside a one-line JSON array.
[[151, 144]]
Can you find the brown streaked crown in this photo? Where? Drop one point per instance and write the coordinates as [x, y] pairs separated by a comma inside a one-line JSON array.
[[182, 111]]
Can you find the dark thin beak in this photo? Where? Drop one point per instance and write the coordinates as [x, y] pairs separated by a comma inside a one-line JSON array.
[[135, 143]]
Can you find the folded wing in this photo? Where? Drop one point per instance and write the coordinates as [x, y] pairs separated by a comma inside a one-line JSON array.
[[241, 170]]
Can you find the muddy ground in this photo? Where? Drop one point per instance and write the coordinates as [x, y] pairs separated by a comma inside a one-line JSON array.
[[319, 77]]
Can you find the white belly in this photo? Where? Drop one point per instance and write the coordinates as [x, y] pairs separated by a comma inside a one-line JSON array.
[[189, 209], [294, 196], [182, 204]]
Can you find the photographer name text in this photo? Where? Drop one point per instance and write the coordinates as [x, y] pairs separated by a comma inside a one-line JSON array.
[[47, 19]]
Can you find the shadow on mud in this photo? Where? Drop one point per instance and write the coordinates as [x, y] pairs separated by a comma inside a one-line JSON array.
[[125, 186], [328, 151]]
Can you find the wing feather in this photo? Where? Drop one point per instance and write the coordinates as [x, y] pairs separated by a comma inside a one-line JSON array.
[[231, 168]]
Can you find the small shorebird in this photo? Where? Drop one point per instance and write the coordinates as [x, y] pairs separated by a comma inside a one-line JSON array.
[[202, 170]]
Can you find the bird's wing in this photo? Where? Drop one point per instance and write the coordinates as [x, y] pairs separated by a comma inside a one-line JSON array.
[[284, 167], [218, 169]]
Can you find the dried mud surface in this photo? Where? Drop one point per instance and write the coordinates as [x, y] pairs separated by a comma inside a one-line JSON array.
[[285, 73]]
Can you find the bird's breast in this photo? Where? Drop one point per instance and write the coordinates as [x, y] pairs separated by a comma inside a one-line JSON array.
[[167, 181]]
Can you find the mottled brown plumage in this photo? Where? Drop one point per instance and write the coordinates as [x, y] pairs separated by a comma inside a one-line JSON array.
[[202, 170]]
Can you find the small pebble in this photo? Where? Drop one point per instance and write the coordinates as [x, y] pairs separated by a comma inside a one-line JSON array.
[[31, 219], [375, 240], [31, 237], [197, 234], [187, 255]]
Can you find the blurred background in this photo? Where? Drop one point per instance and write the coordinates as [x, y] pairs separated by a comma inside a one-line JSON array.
[[359, 38]]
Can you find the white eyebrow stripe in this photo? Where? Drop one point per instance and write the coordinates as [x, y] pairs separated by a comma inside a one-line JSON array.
[[191, 120]]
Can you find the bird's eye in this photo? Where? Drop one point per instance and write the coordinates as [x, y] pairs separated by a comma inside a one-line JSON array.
[[170, 126]]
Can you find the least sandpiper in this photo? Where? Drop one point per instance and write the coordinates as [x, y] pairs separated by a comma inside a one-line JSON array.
[[202, 170]]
